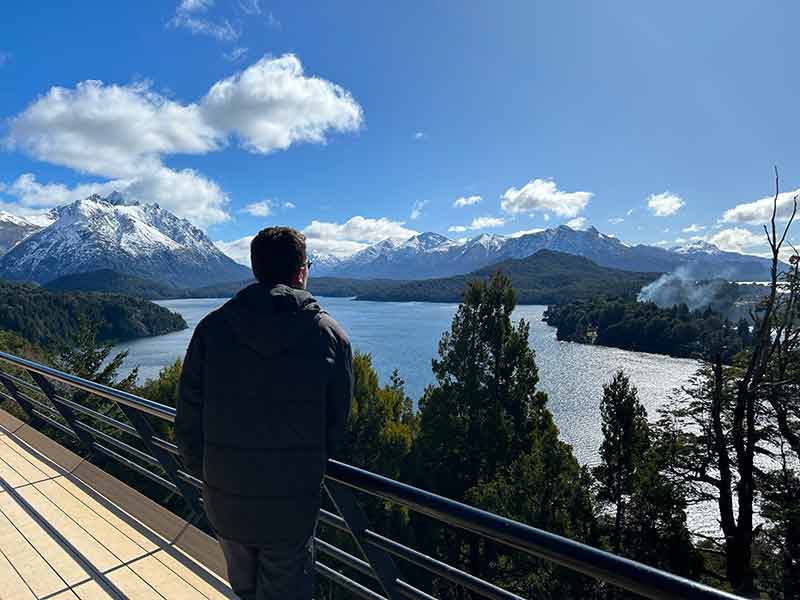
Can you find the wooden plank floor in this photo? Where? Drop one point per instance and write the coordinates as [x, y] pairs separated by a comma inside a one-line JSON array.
[[60, 540]]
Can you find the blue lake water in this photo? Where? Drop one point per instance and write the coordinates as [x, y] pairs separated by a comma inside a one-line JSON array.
[[405, 336]]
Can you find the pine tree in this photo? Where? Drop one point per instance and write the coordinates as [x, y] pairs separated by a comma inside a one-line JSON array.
[[626, 439]]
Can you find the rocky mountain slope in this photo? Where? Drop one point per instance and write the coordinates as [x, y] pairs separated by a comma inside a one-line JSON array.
[[114, 233], [14, 229]]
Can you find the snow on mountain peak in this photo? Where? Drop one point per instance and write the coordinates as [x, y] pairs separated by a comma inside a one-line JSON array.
[[123, 235]]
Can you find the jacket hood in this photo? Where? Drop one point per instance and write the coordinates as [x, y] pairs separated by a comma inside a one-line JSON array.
[[271, 319]]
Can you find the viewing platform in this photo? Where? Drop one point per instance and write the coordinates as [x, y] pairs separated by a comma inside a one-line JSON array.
[[69, 529]]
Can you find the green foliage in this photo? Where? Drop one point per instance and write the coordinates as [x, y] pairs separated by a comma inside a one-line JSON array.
[[52, 319], [487, 437], [108, 281], [645, 512], [644, 327]]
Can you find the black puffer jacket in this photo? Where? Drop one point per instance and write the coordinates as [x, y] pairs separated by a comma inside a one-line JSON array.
[[264, 397]]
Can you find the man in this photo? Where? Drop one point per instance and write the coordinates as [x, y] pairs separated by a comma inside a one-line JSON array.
[[264, 396]]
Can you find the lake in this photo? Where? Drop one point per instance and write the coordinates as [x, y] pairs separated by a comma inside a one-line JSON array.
[[404, 335]]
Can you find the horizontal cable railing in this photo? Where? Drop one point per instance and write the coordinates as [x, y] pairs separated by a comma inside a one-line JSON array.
[[157, 460]]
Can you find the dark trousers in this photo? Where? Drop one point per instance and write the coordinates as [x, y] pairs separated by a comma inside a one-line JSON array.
[[270, 573]]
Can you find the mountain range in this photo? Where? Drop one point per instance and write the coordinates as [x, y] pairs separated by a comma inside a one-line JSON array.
[[429, 255], [115, 233]]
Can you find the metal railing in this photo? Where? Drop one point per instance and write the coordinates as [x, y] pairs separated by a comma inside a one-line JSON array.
[[341, 482]]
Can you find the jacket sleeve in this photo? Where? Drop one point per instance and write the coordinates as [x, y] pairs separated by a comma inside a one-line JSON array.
[[339, 394], [189, 417]]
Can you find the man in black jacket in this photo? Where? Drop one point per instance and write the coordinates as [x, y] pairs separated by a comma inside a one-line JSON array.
[[264, 396]]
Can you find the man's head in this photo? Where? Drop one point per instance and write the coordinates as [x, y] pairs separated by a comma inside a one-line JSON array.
[[278, 255]]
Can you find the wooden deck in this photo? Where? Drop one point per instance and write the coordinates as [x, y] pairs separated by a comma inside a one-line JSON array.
[[61, 539]]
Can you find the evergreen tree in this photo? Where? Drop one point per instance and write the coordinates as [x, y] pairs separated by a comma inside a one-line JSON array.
[[487, 437], [626, 439]]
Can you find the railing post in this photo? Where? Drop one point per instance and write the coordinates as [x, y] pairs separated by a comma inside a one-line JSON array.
[[23, 403], [357, 521], [65, 411], [168, 462]]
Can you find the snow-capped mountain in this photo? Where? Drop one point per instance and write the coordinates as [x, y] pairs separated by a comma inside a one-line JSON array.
[[122, 235], [14, 229], [433, 255]]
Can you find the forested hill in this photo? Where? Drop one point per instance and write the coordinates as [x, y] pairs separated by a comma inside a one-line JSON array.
[[51, 319], [106, 280], [546, 277]]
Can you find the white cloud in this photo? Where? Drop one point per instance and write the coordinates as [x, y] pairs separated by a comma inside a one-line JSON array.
[[694, 228], [416, 210], [759, 212], [118, 131], [34, 195], [238, 250], [517, 234], [187, 193], [235, 54], [737, 239], [665, 204], [338, 248], [190, 6], [419, 135], [187, 17], [289, 205], [578, 223], [616, 220], [543, 196], [358, 230], [109, 130], [122, 132], [478, 223], [259, 209], [272, 105], [470, 201]]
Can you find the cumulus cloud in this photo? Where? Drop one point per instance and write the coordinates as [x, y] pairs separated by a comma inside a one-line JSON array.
[[665, 204], [694, 228], [469, 201], [416, 209], [343, 239], [122, 132], [578, 223], [478, 223], [186, 193], [543, 196], [760, 211], [737, 239], [272, 105], [259, 209], [238, 250], [109, 130]]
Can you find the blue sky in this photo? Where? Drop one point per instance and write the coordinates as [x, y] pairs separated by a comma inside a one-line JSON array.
[[361, 120]]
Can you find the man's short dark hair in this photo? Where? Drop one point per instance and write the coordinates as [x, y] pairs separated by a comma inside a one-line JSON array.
[[276, 253]]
